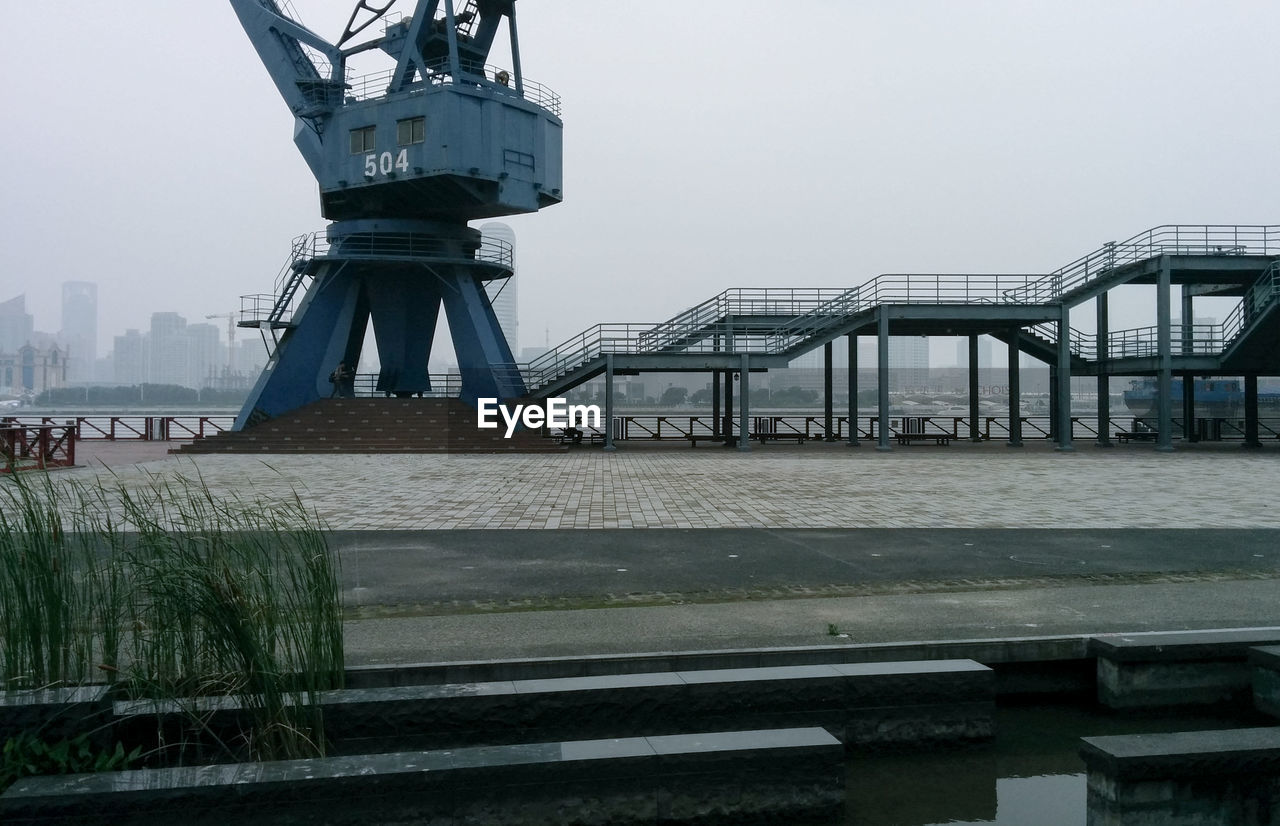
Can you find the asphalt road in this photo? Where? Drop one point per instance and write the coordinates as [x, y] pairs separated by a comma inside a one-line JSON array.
[[442, 572]]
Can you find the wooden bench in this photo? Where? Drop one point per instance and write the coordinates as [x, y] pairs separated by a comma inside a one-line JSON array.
[[1136, 435], [936, 438], [800, 438]]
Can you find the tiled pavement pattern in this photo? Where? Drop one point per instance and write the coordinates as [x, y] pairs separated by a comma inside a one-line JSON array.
[[811, 486]]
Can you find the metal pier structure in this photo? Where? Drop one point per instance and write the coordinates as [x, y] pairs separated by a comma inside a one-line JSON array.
[[407, 157], [741, 331], [750, 330]]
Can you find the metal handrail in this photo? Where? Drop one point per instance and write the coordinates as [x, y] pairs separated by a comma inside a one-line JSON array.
[[1169, 239], [895, 288], [741, 301], [443, 386], [259, 307], [1139, 342], [489, 249], [695, 330], [438, 72], [1080, 344], [1257, 298]]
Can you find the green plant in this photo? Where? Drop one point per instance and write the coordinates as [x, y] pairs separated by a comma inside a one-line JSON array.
[[833, 630], [173, 592], [26, 754]]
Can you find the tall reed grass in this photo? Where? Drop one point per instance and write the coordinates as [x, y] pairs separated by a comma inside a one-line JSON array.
[[169, 592]]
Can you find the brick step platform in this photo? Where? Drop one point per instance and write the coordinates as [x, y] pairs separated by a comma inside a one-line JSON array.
[[376, 425]]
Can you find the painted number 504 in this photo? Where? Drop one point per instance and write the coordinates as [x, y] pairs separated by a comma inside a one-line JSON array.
[[376, 164]]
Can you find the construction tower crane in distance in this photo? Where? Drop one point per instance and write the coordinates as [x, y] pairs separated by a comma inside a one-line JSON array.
[[404, 159], [231, 337]]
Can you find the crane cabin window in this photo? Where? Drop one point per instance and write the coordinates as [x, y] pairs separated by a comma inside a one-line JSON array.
[[362, 139], [410, 131]]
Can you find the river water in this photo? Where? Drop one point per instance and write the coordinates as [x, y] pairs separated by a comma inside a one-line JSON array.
[[1030, 775]]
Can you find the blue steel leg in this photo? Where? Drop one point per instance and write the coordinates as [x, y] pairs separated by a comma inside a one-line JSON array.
[[744, 433], [404, 308], [329, 328], [484, 358]]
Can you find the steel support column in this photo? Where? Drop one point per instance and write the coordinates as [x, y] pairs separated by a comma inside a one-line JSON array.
[[1053, 401], [975, 435], [882, 375], [715, 394], [828, 403], [608, 403], [1164, 350], [1015, 388], [1251, 411], [744, 431], [1104, 380], [1062, 414], [728, 408], [715, 403], [1188, 381], [853, 390]]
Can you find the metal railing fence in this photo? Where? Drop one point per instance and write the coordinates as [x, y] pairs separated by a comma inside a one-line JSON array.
[[36, 446], [1170, 239], [438, 72]]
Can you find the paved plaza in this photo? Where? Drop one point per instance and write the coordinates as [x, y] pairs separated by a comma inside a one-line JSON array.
[[469, 557], [807, 486]]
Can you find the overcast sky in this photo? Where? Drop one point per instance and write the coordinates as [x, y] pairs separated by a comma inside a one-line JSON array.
[[708, 145]]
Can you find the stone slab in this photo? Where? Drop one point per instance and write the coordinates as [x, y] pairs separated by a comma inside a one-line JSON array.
[[1173, 646], [789, 775], [1184, 754], [989, 652], [54, 713], [856, 702], [1206, 778], [1265, 675]]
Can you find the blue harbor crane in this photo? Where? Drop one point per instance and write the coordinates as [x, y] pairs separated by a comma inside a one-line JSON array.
[[404, 159]]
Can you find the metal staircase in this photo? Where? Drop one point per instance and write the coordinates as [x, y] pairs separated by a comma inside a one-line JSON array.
[[1113, 258], [275, 310], [467, 18]]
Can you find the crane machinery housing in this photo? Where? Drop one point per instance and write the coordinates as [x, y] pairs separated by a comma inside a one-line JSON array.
[[404, 159]]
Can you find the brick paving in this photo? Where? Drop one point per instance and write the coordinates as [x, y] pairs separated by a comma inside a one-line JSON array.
[[808, 486]]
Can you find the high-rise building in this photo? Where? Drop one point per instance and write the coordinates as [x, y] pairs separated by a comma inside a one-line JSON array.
[[909, 362], [985, 351], [80, 328], [204, 355], [502, 294], [170, 349], [130, 358], [16, 325]]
